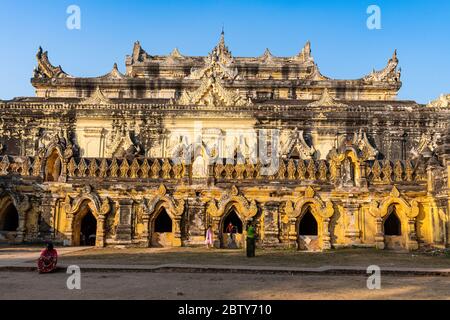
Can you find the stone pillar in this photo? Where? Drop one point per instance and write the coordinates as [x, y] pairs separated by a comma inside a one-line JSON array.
[[63, 176], [195, 224], [412, 243], [145, 236], [352, 231], [379, 236], [100, 236], [216, 230], [46, 229], [270, 233], [32, 228], [362, 178], [21, 229], [69, 229], [176, 224], [123, 232], [292, 233], [326, 237]]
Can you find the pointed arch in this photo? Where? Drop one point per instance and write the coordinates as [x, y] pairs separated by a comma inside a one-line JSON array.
[[53, 165], [82, 232], [307, 223], [246, 209], [13, 213], [9, 216], [392, 225], [78, 208], [320, 211], [162, 213], [232, 238], [406, 212], [152, 208]]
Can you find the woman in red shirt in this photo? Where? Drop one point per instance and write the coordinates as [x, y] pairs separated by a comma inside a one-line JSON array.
[[48, 259]]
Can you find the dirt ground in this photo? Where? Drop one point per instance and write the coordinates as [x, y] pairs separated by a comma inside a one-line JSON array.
[[125, 285], [283, 258]]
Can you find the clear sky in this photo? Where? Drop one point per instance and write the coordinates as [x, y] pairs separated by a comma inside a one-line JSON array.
[[342, 45]]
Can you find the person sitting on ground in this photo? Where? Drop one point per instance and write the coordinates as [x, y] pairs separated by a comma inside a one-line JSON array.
[[48, 259]]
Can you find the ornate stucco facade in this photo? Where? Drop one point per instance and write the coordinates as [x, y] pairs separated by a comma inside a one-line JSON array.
[[153, 156]]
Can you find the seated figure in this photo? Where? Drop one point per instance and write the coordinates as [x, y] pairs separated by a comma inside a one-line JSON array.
[[48, 259]]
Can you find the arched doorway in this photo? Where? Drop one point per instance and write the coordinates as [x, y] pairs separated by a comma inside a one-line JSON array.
[[84, 228], [9, 219], [53, 167], [231, 230], [88, 233], [162, 235], [308, 231], [9, 222], [392, 227]]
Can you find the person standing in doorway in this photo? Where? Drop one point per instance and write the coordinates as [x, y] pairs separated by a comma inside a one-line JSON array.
[[251, 245], [230, 229], [209, 237]]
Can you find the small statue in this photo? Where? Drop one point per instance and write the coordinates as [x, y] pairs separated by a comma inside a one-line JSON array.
[[347, 174]]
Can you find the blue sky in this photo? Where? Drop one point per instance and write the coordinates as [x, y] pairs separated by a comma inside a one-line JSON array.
[[342, 45]]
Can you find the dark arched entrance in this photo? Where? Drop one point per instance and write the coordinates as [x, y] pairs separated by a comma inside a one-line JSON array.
[[9, 220], [393, 230], [88, 230], [231, 236], [163, 223], [234, 219], [392, 225], [162, 235], [308, 231], [308, 225]]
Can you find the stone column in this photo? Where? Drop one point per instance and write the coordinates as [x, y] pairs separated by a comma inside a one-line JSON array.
[[195, 224], [69, 228], [100, 236], [46, 229], [412, 243], [176, 242], [292, 233], [326, 237], [271, 232], [216, 231], [145, 236], [123, 232], [379, 236], [362, 183], [352, 227], [21, 229]]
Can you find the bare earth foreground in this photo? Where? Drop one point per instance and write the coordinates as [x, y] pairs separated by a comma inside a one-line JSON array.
[[182, 285], [276, 258], [126, 285]]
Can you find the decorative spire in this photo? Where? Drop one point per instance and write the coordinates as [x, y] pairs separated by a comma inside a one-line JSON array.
[[176, 54], [45, 69], [442, 102], [326, 100], [221, 53], [139, 54], [305, 54], [388, 74], [113, 74], [97, 98], [267, 56]]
